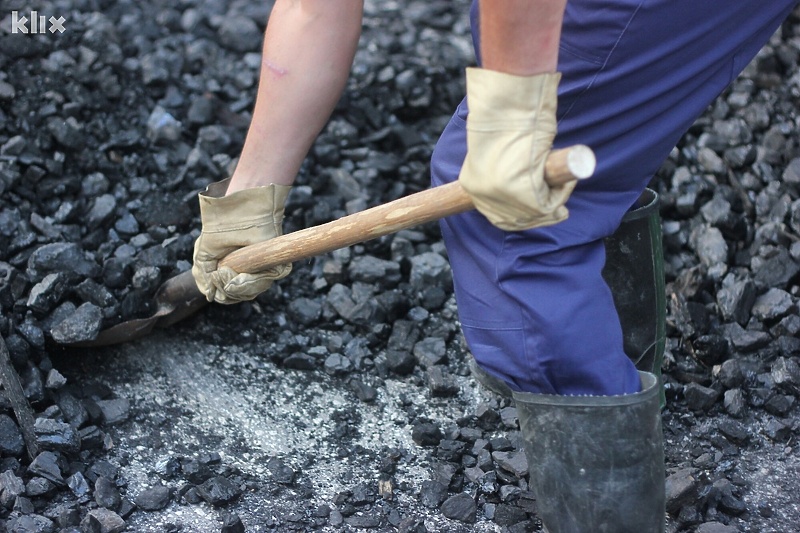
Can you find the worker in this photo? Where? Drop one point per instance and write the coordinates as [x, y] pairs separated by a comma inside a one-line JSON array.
[[625, 77]]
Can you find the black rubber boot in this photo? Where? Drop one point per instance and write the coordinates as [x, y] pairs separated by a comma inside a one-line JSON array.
[[596, 462], [634, 271], [496, 385]]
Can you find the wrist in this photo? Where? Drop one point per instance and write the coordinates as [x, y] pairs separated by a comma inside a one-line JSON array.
[[242, 181]]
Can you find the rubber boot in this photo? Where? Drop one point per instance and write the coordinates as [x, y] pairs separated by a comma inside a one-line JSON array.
[[596, 462], [634, 271]]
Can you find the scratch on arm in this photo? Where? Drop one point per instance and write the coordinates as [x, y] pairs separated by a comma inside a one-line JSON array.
[[278, 71]]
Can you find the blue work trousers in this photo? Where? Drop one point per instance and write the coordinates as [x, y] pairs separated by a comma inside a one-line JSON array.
[[636, 74]]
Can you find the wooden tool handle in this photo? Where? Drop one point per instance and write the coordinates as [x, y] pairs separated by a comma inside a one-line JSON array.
[[562, 166]]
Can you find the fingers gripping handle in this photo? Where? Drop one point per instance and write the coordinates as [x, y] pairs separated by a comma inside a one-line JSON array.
[[562, 166]]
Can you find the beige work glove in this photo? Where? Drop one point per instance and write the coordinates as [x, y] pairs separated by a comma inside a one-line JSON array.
[[231, 222], [510, 130]]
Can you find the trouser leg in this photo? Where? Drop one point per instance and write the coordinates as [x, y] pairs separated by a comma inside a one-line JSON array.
[[534, 308], [634, 271]]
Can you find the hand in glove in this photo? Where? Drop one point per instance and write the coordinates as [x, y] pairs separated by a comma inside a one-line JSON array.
[[232, 222], [510, 130]]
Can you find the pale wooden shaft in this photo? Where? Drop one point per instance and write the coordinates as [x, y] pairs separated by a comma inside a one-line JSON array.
[[567, 164]]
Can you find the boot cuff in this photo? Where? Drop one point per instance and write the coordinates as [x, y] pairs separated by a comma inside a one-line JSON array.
[[650, 389]]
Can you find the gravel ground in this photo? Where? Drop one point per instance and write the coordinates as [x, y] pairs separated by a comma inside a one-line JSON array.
[[340, 400]]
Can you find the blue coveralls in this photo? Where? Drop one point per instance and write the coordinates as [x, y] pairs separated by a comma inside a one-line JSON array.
[[533, 306]]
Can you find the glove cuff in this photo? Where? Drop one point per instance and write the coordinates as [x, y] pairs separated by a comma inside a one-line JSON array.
[[242, 209], [508, 96]]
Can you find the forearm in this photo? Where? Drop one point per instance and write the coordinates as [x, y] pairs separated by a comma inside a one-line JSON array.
[[521, 36], [308, 51]]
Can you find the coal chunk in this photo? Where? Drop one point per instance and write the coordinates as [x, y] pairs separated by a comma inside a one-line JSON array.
[[11, 442], [218, 491], [281, 471], [115, 410], [777, 431], [773, 305], [734, 431], [62, 257], [432, 494], [106, 494], [81, 326], [427, 434], [451, 450], [232, 523], [103, 521], [400, 361], [305, 310], [193, 470], [31, 523], [162, 127], [153, 498], [302, 361], [681, 489], [68, 132], [715, 527], [405, 334], [730, 374], [711, 248], [460, 507], [101, 211], [777, 270], [513, 462], [710, 349], [241, 34], [78, 485], [48, 292], [46, 465], [699, 398], [441, 383], [735, 299], [337, 365], [39, 486], [430, 351], [745, 340], [508, 515], [785, 373], [56, 436], [11, 486], [364, 392], [735, 403], [429, 269], [779, 404], [370, 269]]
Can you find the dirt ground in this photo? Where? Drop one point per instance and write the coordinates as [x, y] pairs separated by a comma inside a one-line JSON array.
[[190, 396]]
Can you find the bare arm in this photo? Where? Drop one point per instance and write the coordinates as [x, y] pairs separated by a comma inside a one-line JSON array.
[[309, 47], [521, 36]]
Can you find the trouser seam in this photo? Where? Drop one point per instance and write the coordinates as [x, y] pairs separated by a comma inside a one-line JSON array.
[[605, 63]]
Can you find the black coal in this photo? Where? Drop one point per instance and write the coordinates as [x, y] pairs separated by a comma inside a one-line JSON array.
[[108, 131]]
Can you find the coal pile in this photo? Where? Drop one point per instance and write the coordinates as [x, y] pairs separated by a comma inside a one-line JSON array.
[[108, 131]]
